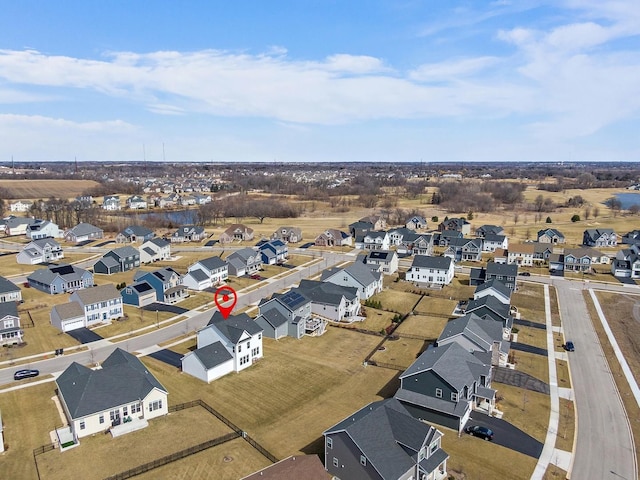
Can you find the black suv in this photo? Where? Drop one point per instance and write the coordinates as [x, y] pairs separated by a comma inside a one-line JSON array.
[[20, 374], [481, 432]]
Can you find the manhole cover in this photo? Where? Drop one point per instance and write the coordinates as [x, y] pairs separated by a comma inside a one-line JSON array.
[[227, 459], [382, 349]]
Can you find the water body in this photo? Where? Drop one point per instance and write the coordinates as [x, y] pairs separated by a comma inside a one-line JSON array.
[[628, 199]]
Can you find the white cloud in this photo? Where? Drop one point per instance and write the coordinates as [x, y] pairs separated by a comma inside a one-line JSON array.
[[452, 69], [38, 121]]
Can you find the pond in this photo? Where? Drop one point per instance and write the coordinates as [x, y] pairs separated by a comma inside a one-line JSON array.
[[628, 199]]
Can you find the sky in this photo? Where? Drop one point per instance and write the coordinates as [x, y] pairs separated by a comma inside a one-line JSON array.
[[320, 80]]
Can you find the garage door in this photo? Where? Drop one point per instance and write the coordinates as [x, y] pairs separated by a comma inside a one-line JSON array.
[[72, 325]]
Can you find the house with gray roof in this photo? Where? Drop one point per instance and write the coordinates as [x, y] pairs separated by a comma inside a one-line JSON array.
[[397, 234], [333, 238], [236, 233], [494, 288], [383, 441], [330, 301], [111, 202], [442, 239], [357, 275], [118, 260], [60, 279], [139, 294], [155, 250], [135, 234], [550, 235], [10, 331], [9, 291], [599, 237], [464, 249], [120, 397], [188, 233], [83, 232], [287, 314], [18, 225], [274, 252], [477, 334], [96, 305], [416, 222], [43, 250], [373, 240], [485, 230], [416, 244], [491, 243], [457, 224], [244, 262], [206, 273], [208, 363], [43, 229], [287, 234], [506, 273], [437, 271], [166, 282], [385, 260], [627, 263], [446, 383], [490, 307]]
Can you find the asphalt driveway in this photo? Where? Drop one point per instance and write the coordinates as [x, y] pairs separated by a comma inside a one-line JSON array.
[[84, 335], [528, 323], [168, 356], [523, 347], [507, 435], [163, 307]]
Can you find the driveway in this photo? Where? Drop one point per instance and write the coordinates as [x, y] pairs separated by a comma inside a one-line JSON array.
[[528, 323], [509, 376], [307, 245], [84, 335], [507, 435], [104, 243], [163, 307], [168, 356], [523, 347]]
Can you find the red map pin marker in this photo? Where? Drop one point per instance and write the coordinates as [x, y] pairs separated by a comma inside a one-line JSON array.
[[224, 295]]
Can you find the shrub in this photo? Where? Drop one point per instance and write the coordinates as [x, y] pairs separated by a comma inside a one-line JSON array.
[[548, 220], [575, 218], [434, 219]]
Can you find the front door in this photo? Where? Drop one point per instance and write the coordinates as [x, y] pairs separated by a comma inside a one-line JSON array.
[[114, 415]]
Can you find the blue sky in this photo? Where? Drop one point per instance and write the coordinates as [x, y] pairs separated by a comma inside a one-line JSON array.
[[352, 80]]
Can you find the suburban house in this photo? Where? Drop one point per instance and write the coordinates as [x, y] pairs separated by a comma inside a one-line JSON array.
[[396, 235], [206, 273], [631, 238], [491, 242], [274, 252], [83, 232], [244, 262], [287, 234], [556, 262], [60, 279], [140, 294], [43, 229], [21, 206], [476, 334], [599, 237], [284, 315], [455, 224], [118, 260], [238, 335], [430, 271], [10, 331], [155, 250], [442, 239], [111, 203], [373, 240], [188, 233], [446, 383], [484, 230], [236, 233], [9, 291], [464, 249], [627, 263], [494, 288], [383, 441], [330, 301], [550, 235], [377, 222], [416, 222], [307, 467], [541, 252], [522, 254], [44, 250], [333, 238], [500, 255], [166, 282], [135, 234], [136, 202], [492, 308], [119, 397], [416, 244], [507, 274], [18, 225], [386, 260], [360, 228], [357, 275], [88, 307]]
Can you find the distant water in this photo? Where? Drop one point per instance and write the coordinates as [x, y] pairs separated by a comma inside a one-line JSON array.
[[628, 199]]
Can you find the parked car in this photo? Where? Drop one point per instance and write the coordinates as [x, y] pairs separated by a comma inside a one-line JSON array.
[[20, 374], [569, 347], [525, 274], [480, 432], [255, 276]]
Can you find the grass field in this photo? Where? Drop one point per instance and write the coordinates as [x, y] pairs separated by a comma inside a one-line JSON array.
[[527, 410], [424, 325], [534, 365], [376, 320], [396, 301], [566, 426], [530, 302], [43, 189], [402, 352]]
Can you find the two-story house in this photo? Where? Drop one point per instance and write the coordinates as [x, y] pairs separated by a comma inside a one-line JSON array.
[[60, 279], [118, 260], [9, 291], [599, 237], [284, 315], [206, 273], [491, 242], [330, 301], [387, 260], [506, 273], [244, 262], [627, 263], [155, 250], [111, 203], [373, 240], [43, 229], [188, 233], [550, 235], [416, 222], [18, 225], [136, 202], [357, 275], [456, 224], [166, 282], [287, 234], [396, 235], [88, 307], [430, 271], [522, 254], [10, 331], [274, 252], [484, 230], [44, 250], [494, 288], [21, 206], [416, 244], [446, 383], [464, 249]]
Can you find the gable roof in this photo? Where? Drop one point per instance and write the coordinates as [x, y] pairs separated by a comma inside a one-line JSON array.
[[198, 275], [490, 302], [69, 310], [122, 379], [8, 309], [504, 269], [158, 242], [123, 252], [326, 292], [212, 263], [358, 271], [7, 286], [243, 254], [273, 317], [307, 467], [84, 229], [292, 300], [212, 355], [234, 326], [483, 332], [496, 285], [424, 261], [386, 255], [67, 272], [137, 230], [100, 293]]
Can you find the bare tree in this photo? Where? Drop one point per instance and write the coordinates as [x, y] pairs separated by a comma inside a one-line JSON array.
[[516, 218], [587, 213]]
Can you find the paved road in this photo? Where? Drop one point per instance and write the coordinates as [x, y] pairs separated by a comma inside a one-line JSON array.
[[604, 447]]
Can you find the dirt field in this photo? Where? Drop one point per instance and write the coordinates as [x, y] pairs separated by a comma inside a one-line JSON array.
[[37, 189]]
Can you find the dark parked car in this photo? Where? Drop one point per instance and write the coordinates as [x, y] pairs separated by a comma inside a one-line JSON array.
[[569, 347], [255, 276], [481, 432], [525, 274], [20, 374]]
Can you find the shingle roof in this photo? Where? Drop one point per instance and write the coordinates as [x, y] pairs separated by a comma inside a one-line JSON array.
[[243, 254], [108, 262], [234, 326], [381, 254], [198, 275], [326, 292], [7, 286], [69, 310], [297, 467], [490, 302], [8, 308], [158, 242], [505, 269], [122, 379], [481, 331], [101, 293], [84, 229], [424, 261], [274, 318], [358, 271], [48, 275], [212, 263], [137, 230], [496, 285], [213, 355], [126, 251]]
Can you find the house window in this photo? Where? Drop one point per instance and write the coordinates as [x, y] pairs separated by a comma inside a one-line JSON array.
[[433, 448], [438, 392], [363, 460], [101, 418], [335, 461], [329, 442], [454, 396], [155, 405], [82, 425], [124, 411], [239, 348], [135, 408]]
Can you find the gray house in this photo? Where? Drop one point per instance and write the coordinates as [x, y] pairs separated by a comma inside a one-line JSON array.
[[599, 237], [9, 291], [445, 384], [382, 441], [284, 315], [60, 279], [10, 331], [506, 273], [244, 262], [485, 230], [464, 249], [550, 235], [43, 250], [188, 233], [82, 233], [135, 234], [118, 260]]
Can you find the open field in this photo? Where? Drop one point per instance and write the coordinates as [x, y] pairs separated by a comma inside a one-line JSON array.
[[37, 189], [530, 302], [163, 436], [532, 336], [534, 365], [402, 352], [9, 266], [396, 301], [527, 410], [376, 319], [437, 305]]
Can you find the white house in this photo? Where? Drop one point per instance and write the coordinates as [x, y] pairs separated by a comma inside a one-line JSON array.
[[20, 206], [357, 275], [521, 254], [9, 291], [43, 229], [111, 203], [373, 241], [330, 301], [206, 273], [431, 270], [387, 260], [44, 250], [118, 397], [10, 331], [155, 250], [492, 242], [88, 307], [209, 362], [136, 202]]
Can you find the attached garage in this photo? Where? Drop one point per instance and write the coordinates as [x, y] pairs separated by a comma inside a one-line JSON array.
[[208, 363], [67, 316]]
